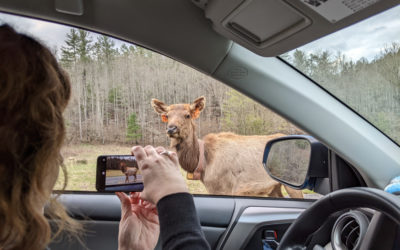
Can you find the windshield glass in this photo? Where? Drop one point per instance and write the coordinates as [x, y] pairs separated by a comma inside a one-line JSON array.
[[360, 65], [122, 95]]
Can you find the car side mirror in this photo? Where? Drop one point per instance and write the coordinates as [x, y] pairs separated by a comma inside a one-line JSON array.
[[297, 161]]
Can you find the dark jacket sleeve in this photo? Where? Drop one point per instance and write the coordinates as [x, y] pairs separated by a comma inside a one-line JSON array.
[[179, 224]]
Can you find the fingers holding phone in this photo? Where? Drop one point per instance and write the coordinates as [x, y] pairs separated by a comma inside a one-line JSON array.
[[161, 174], [155, 168], [172, 155], [139, 226]]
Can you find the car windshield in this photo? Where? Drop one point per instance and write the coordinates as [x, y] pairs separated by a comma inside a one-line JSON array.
[[360, 65]]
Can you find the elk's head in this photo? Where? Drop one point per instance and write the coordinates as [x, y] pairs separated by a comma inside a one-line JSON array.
[[122, 166], [179, 117]]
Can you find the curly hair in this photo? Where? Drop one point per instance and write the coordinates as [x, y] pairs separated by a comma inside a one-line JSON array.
[[34, 93]]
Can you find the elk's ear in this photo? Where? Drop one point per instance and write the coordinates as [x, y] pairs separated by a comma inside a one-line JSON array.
[[159, 106], [197, 106]]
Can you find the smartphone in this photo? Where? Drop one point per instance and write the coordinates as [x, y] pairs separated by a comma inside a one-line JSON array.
[[118, 173]]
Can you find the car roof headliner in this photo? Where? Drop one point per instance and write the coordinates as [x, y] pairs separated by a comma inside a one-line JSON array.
[[187, 37], [178, 29]]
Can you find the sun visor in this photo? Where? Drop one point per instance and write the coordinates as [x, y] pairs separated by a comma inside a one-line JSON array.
[[260, 22], [273, 27]]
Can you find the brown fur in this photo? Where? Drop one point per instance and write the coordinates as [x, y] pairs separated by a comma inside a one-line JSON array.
[[129, 171], [233, 162]]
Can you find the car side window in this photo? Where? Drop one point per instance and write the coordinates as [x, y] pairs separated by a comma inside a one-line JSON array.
[[124, 95]]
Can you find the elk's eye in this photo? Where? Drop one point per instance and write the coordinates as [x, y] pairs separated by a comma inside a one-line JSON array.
[[187, 116]]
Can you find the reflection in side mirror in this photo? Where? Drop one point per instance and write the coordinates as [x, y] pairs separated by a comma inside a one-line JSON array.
[[299, 161], [289, 160]]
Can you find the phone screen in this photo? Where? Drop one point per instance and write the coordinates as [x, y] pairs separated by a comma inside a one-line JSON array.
[[118, 173]]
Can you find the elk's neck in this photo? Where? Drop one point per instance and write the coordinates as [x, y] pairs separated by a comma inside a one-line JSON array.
[[188, 152]]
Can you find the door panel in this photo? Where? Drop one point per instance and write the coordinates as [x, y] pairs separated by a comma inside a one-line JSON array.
[[104, 235], [98, 235], [254, 218], [228, 222]]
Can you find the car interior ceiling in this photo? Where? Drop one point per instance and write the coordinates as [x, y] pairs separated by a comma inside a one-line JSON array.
[[239, 222], [199, 16]]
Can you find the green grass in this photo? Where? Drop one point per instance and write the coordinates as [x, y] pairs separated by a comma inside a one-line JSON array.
[[113, 173], [82, 177]]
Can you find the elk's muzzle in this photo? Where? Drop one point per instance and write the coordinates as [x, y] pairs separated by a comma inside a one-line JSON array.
[[172, 130]]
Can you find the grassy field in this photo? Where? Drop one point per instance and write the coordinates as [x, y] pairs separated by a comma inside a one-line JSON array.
[[112, 173], [80, 161]]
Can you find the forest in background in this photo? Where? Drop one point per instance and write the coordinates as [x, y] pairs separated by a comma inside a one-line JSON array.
[[113, 87], [371, 88]]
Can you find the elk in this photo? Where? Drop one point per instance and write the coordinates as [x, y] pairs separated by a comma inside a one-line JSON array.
[[226, 163], [128, 171]]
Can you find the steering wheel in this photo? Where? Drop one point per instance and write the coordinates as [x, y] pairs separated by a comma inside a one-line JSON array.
[[314, 216]]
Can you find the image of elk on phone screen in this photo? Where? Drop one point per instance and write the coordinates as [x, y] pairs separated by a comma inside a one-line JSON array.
[[118, 173]]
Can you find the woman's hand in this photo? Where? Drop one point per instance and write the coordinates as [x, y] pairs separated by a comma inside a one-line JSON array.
[[139, 227], [161, 173]]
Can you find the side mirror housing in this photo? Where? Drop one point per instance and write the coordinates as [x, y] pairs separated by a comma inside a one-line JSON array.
[[298, 161]]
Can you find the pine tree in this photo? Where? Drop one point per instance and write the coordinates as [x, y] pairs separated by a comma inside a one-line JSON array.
[[69, 52], [105, 50], [133, 129], [84, 46], [127, 50], [301, 61]]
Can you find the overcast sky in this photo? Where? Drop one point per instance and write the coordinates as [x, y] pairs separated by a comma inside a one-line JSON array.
[[365, 39], [51, 34]]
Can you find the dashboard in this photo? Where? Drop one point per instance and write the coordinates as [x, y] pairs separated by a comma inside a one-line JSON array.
[[241, 223], [359, 228]]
